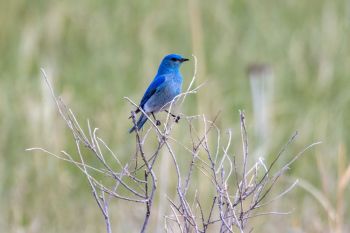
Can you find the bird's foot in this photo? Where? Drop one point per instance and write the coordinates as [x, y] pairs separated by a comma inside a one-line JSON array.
[[176, 118], [132, 114], [158, 122]]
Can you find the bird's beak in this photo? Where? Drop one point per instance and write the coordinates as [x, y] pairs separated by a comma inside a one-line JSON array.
[[184, 59]]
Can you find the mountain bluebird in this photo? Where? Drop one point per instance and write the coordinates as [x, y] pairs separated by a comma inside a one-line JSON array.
[[166, 85]]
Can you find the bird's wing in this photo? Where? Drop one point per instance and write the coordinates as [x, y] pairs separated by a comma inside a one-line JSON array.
[[155, 85]]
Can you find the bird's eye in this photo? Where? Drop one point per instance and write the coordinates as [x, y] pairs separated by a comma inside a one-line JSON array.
[[173, 59]]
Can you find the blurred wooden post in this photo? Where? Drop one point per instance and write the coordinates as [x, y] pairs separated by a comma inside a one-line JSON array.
[[261, 84]]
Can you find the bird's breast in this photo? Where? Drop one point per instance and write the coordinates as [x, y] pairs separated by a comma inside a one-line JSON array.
[[162, 97]]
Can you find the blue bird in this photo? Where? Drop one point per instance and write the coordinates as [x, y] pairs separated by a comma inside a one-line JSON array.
[[166, 85]]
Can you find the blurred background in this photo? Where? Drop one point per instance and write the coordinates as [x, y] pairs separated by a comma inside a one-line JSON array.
[[286, 63]]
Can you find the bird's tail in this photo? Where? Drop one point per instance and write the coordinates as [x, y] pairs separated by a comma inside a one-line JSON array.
[[142, 120]]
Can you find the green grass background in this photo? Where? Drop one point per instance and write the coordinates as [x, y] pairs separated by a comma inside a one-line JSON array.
[[97, 52]]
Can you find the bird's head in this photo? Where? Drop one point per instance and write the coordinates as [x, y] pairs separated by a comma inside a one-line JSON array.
[[171, 62]]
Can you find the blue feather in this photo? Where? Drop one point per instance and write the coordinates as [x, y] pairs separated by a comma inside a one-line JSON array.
[[142, 120], [156, 83], [163, 89]]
